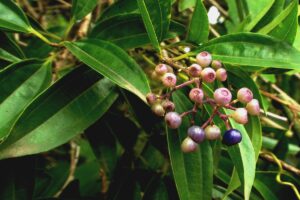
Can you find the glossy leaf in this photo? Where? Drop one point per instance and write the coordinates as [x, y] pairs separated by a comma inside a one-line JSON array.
[[113, 63], [9, 50], [67, 108], [127, 31], [12, 18], [80, 8], [123, 7], [264, 190], [20, 84], [199, 28], [156, 17], [193, 172], [253, 50]]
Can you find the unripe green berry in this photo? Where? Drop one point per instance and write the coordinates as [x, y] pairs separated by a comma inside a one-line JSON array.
[[204, 59], [244, 95], [173, 120], [240, 115], [158, 109], [208, 75], [221, 74], [168, 105], [216, 64], [212, 132], [196, 95], [194, 70], [151, 98], [169, 80], [222, 96], [188, 145], [253, 107], [161, 69]]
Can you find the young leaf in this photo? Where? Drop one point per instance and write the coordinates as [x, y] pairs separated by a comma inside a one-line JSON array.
[[193, 172], [19, 84], [198, 29], [67, 108], [80, 8], [156, 17], [113, 63], [12, 18], [253, 50]]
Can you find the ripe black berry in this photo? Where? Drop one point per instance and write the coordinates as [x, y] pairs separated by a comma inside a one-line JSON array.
[[232, 137]]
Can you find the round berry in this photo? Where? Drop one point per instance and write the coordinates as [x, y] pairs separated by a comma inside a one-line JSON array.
[[151, 98], [216, 64], [196, 95], [170, 69], [212, 132], [168, 105], [169, 79], [188, 145], [158, 109], [155, 76], [253, 107], [244, 95], [173, 120], [232, 137], [221, 74], [194, 70], [222, 96], [204, 59], [161, 69], [208, 75], [196, 133], [240, 115]]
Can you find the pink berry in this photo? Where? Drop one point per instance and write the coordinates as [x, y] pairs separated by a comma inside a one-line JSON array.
[[216, 64], [221, 74], [168, 105], [208, 75], [169, 79], [161, 69], [188, 145], [212, 132], [151, 98], [196, 95], [158, 109], [204, 59], [253, 107], [222, 96], [194, 70], [244, 95], [240, 115], [173, 120]]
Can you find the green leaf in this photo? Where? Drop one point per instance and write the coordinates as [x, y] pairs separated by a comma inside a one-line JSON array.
[[193, 172], [12, 18], [185, 4], [156, 16], [199, 28], [65, 109], [264, 190], [122, 7], [5, 55], [156, 190], [127, 31], [9, 50], [20, 83], [253, 50], [113, 63], [80, 8]]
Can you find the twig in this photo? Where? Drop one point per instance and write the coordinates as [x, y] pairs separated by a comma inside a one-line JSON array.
[[64, 3], [30, 9], [214, 31]]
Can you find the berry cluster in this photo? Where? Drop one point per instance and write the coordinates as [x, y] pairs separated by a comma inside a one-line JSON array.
[[205, 70]]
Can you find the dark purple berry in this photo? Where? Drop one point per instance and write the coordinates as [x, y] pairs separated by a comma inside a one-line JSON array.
[[196, 133], [232, 137], [188, 145], [173, 120]]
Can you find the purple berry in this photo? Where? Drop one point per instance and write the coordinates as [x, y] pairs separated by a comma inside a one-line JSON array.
[[173, 120], [222, 96], [204, 59], [196, 133], [194, 70], [240, 115], [244, 95], [151, 98], [196, 95], [208, 75], [232, 137], [253, 107], [188, 145], [168, 105], [161, 69], [221, 74], [169, 79], [216, 64], [212, 132], [158, 109]]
